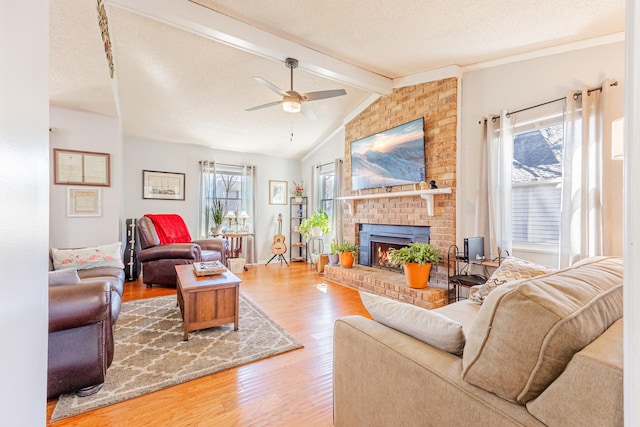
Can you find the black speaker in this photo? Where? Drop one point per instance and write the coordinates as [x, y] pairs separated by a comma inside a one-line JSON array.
[[131, 263], [473, 249]]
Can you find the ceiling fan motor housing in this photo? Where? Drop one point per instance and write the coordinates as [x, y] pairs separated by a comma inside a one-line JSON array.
[[291, 63]]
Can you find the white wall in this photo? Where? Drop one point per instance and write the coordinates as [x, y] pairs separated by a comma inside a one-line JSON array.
[[328, 152], [523, 84], [144, 154], [24, 201], [76, 130], [631, 225]]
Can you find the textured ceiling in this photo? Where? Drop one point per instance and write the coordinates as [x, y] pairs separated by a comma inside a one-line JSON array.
[[184, 70]]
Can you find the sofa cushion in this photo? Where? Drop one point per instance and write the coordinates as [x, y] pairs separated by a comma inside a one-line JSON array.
[[510, 269], [63, 277], [598, 369], [84, 258], [428, 326], [526, 332]]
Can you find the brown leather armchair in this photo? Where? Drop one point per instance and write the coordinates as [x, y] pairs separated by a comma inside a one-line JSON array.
[[83, 308], [159, 261], [80, 337]]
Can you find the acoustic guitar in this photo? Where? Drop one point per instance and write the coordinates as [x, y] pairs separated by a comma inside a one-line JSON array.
[[278, 247]]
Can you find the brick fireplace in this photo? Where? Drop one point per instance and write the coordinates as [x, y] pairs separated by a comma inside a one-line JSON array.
[[437, 103]]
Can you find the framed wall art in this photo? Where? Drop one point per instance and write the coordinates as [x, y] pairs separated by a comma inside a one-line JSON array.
[[162, 185], [277, 192], [84, 202], [72, 167]]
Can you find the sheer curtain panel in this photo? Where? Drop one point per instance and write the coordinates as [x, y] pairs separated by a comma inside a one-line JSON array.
[[493, 207], [586, 126]]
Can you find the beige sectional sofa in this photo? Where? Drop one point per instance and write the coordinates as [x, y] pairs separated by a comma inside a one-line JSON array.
[[540, 351]]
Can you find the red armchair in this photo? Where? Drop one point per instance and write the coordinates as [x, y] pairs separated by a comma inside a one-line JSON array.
[[160, 253]]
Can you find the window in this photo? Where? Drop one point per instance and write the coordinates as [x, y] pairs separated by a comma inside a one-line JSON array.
[[228, 189], [232, 186], [327, 189], [536, 180]]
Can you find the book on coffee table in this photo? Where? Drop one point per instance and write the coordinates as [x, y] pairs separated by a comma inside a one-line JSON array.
[[208, 268]]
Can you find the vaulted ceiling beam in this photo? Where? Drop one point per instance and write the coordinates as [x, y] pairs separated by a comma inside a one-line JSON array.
[[224, 29]]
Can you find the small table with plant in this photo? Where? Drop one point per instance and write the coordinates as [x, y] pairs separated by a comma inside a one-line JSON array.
[[313, 229]]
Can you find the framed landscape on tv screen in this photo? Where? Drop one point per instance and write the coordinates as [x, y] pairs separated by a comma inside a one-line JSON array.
[[393, 157]]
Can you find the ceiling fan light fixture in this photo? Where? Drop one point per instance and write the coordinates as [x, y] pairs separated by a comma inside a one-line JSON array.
[[291, 105]]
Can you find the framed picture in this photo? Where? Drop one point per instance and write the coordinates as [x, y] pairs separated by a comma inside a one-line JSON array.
[[162, 185], [84, 202], [71, 167], [277, 192]]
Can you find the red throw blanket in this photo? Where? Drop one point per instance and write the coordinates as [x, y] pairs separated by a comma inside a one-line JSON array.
[[170, 228]]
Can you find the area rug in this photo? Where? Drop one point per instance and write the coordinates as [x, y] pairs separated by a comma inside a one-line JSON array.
[[150, 354]]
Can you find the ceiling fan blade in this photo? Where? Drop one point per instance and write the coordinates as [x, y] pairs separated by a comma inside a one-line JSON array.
[[308, 113], [323, 94], [259, 107], [270, 86]]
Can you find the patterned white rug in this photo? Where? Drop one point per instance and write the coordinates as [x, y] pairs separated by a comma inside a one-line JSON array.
[[150, 354]]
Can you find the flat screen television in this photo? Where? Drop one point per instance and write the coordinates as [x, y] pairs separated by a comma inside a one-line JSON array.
[[393, 157]]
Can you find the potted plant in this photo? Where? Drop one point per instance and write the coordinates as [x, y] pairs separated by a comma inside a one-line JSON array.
[[217, 216], [297, 192], [416, 260], [346, 252], [334, 258], [316, 225]]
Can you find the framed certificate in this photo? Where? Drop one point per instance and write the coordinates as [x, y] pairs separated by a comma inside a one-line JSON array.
[[71, 167], [84, 202]]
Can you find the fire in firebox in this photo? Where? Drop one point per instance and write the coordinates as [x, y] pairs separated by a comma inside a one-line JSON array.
[[380, 256]]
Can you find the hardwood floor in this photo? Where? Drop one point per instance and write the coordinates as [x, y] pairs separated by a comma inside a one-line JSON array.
[[291, 389]]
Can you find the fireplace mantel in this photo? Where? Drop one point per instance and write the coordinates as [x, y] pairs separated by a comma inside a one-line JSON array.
[[427, 195]]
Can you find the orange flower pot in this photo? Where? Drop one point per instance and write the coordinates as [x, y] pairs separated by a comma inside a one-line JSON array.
[[417, 275], [346, 259]]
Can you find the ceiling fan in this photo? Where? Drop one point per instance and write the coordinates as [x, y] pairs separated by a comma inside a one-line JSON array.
[[292, 101]]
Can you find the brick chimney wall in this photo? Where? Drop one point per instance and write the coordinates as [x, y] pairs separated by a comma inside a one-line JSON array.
[[437, 103]]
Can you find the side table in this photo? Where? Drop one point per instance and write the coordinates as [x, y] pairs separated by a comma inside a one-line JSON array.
[[236, 241]]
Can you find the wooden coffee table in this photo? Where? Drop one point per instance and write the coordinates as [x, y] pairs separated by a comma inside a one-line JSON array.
[[207, 301]]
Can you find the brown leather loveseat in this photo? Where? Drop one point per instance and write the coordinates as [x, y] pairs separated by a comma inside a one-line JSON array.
[[159, 260], [83, 308]]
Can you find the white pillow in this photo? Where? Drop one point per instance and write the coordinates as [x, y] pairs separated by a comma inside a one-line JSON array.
[[84, 258], [428, 326], [511, 269]]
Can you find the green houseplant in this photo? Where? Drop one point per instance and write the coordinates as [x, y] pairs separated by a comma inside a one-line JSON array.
[[416, 260], [334, 258], [317, 224], [346, 252], [217, 216]]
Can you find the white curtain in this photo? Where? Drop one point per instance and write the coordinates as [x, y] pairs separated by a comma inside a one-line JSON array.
[[586, 114], [338, 205], [316, 191], [207, 197], [493, 205]]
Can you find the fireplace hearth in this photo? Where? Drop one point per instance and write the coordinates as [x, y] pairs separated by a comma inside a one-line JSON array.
[[375, 241]]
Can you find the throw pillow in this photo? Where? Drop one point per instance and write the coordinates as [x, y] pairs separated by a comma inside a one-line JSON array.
[[84, 258], [526, 332], [63, 277], [428, 326], [511, 269]]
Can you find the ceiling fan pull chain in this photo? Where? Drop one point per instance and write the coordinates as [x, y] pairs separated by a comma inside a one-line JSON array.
[[291, 137]]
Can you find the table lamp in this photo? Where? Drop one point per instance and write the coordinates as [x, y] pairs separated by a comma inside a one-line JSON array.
[[230, 216], [243, 216]]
